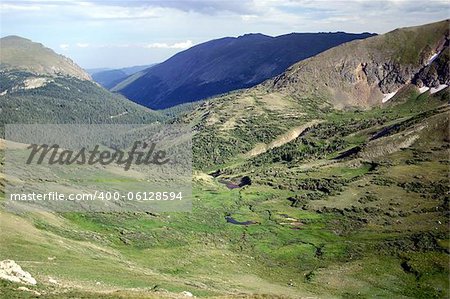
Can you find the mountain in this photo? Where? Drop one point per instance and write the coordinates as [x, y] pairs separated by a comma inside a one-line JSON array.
[[296, 193], [366, 72], [370, 73], [329, 179], [22, 54], [39, 86], [97, 70], [109, 78], [225, 64]]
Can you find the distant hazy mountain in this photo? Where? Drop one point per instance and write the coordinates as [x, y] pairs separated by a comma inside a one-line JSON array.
[[39, 86], [97, 70], [225, 64], [109, 78]]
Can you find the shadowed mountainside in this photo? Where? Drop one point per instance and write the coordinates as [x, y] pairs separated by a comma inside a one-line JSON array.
[[225, 64]]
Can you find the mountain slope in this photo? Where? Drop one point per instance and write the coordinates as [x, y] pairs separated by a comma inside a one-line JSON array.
[[253, 118], [360, 72], [338, 204], [19, 53], [225, 64], [366, 188], [40, 86]]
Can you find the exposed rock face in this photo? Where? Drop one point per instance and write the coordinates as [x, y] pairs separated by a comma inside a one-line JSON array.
[[388, 76], [358, 73], [437, 72], [11, 271]]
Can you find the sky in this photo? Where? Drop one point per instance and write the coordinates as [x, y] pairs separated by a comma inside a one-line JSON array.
[[116, 34]]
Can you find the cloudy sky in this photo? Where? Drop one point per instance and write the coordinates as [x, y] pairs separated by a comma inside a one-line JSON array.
[[124, 33]]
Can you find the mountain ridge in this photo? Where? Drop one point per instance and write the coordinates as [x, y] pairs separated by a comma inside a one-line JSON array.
[[223, 65], [360, 73]]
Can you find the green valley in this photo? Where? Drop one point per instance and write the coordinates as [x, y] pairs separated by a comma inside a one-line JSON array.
[[299, 191]]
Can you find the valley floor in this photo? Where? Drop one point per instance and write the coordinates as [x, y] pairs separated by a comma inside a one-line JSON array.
[[364, 214]]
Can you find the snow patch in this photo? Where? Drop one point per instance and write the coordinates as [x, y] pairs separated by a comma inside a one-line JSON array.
[[388, 96], [432, 89], [118, 115], [433, 57], [441, 87], [423, 89]]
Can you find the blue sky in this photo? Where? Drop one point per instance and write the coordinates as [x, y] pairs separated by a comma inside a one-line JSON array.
[[125, 33]]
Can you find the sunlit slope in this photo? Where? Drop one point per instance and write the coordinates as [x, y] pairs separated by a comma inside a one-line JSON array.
[[358, 73], [369, 215], [39, 86], [18, 53]]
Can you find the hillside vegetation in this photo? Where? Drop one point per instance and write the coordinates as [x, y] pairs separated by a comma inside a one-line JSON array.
[[362, 194], [39, 86], [64, 100], [297, 193]]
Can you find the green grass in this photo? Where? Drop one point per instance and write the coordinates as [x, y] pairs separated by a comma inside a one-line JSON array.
[[360, 228]]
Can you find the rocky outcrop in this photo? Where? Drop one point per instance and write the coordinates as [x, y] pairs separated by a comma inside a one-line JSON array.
[[11, 271], [437, 72], [388, 76]]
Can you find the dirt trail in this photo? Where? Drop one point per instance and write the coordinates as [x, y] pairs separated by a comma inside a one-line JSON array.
[[290, 135]]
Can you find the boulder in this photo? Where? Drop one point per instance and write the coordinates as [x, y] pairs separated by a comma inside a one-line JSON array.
[[187, 294], [11, 271]]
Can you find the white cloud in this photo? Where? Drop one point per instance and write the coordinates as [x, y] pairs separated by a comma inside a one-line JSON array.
[[247, 18], [14, 7], [99, 11], [64, 47], [127, 29], [180, 45], [82, 45]]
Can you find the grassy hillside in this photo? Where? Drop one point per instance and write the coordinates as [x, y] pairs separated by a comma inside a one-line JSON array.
[[293, 198], [377, 216], [17, 53]]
